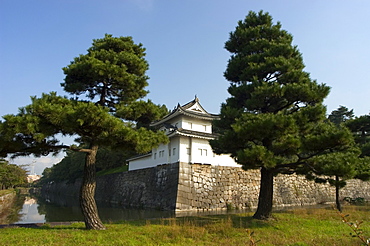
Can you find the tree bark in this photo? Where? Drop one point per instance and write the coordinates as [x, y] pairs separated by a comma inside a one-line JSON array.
[[264, 209], [337, 188], [87, 192]]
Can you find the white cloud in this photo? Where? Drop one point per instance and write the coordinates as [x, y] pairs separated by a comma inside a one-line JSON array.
[[39, 164]]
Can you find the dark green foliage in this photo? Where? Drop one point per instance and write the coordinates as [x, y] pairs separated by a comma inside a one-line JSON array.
[[11, 175], [113, 70], [355, 201], [69, 168], [341, 165], [274, 119], [338, 165], [275, 109], [141, 112], [363, 169], [72, 165], [360, 127], [341, 115], [36, 126]]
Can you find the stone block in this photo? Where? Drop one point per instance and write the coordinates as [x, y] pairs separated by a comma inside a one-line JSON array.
[[190, 196], [183, 188], [183, 200]]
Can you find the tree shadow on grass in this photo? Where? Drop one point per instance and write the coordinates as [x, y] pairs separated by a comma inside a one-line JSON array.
[[51, 225], [233, 220], [226, 220]]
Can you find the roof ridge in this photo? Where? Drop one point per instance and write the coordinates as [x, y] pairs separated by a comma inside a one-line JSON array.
[[185, 109]]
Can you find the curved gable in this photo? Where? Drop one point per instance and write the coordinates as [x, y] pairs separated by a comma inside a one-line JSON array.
[[192, 109]]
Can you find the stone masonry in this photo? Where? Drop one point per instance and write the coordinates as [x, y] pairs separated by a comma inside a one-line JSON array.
[[190, 187], [203, 187], [145, 188]]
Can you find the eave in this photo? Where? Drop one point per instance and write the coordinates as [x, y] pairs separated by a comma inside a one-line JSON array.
[[189, 133], [139, 156], [183, 110]]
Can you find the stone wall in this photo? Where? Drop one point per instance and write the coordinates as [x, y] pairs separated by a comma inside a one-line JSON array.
[[217, 187], [6, 203], [150, 187], [183, 186], [6, 200]]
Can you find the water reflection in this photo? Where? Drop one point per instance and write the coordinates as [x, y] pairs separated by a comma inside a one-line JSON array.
[[67, 209], [11, 213], [30, 212], [63, 209], [56, 213], [38, 210], [27, 209]]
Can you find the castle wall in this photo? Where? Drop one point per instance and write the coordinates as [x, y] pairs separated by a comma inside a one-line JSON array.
[[142, 162], [150, 187], [183, 186], [217, 187], [6, 202], [195, 124], [154, 187]]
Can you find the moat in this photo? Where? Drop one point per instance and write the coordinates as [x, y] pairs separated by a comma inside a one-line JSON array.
[[30, 209], [37, 210]]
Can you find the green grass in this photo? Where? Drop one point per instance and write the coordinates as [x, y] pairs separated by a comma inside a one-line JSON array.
[[296, 227], [113, 170]]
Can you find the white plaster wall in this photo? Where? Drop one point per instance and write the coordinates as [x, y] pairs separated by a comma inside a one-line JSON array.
[[189, 123], [174, 144], [160, 154], [195, 157], [141, 163], [224, 160], [184, 143], [201, 151], [196, 124], [151, 161], [181, 145]]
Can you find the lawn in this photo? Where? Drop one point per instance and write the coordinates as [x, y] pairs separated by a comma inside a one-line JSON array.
[[293, 227]]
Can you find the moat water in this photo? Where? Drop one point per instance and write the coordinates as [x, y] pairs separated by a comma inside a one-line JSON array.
[[29, 209], [37, 210]]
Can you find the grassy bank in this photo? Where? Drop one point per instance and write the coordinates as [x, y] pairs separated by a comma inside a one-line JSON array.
[[296, 227], [5, 192], [10, 206]]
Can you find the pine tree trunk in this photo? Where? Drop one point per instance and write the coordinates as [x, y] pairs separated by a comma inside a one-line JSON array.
[[337, 187], [264, 209], [87, 199]]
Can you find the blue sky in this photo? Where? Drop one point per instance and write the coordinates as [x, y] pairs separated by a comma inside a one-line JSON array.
[[184, 41]]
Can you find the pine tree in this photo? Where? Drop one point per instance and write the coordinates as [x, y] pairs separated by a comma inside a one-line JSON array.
[[341, 115], [335, 167], [274, 119], [112, 76]]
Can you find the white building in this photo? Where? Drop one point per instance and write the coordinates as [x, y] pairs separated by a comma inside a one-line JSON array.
[[189, 128], [33, 177]]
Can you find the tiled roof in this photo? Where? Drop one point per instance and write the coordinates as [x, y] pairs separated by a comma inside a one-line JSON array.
[[191, 133], [139, 156], [200, 113]]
